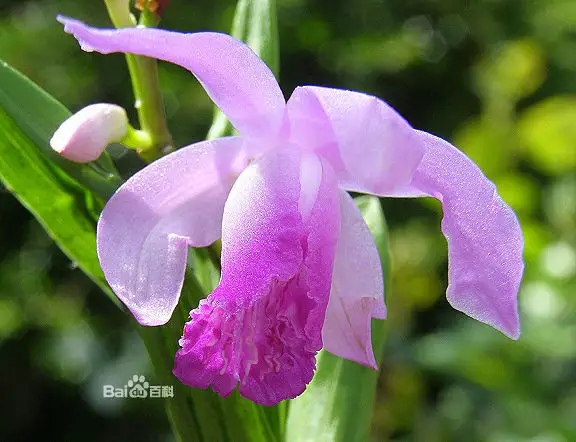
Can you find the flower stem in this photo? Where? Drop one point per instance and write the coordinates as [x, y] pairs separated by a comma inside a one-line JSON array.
[[180, 413], [148, 18], [144, 75]]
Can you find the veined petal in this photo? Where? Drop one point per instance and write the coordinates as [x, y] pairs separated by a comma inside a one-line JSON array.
[[370, 146], [485, 241], [262, 325], [146, 227], [357, 293], [235, 78]]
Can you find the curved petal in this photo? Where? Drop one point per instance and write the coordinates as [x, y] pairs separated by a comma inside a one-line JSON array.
[[262, 325], [485, 241], [235, 78], [146, 227], [357, 293], [370, 146]]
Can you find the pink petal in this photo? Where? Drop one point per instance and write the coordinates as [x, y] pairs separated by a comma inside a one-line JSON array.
[[485, 241], [262, 325], [357, 293], [84, 136], [146, 227], [235, 78], [370, 146]]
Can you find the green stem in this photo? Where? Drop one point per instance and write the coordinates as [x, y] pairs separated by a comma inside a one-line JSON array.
[[144, 75], [180, 413], [148, 18], [136, 139]]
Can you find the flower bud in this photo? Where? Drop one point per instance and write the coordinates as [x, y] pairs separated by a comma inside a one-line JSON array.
[[84, 136]]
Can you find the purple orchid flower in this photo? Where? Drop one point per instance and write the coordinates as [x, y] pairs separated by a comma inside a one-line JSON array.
[[300, 270]]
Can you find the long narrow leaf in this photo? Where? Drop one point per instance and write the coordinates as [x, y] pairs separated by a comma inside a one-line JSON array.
[[256, 24], [38, 115], [58, 203]]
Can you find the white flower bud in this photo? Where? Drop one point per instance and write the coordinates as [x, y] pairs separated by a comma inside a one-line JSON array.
[[84, 136]]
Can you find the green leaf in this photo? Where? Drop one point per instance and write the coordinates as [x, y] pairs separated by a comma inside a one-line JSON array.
[[38, 115], [58, 193], [338, 403], [57, 202], [159, 342], [68, 212], [256, 24]]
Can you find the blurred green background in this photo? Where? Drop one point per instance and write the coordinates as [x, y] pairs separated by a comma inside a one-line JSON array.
[[496, 77]]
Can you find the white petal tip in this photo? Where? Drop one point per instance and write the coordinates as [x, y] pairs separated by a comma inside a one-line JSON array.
[[149, 320]]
